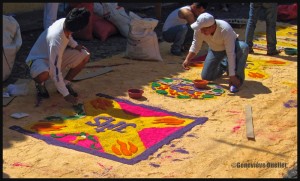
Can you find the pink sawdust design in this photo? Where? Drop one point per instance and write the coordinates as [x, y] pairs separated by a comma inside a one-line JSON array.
[[141, 111], [87, 143], [236, 128], [151, 136]]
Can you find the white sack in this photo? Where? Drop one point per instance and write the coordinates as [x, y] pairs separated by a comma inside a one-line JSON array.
[[12, 42], [142, 43]]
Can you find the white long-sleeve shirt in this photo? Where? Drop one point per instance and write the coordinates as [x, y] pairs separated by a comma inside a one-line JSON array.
[[223, 39], [50, 46]]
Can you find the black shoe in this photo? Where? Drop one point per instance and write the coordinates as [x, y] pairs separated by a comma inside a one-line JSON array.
[[185, 48], [176, 52], [71, 90], [41, 90], [276, 52]]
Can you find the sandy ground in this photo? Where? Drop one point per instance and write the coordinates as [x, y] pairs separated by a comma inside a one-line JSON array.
[[217, 149]]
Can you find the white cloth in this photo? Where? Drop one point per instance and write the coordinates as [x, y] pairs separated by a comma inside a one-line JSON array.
[[50, 46], [223, 39], [12, 42], [173, 19]]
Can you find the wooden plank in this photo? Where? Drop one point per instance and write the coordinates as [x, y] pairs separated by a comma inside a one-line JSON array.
[[249, 123]]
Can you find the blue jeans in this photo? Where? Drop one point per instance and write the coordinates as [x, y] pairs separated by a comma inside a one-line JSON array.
[[178, 35], [216, 62], [270, 10]]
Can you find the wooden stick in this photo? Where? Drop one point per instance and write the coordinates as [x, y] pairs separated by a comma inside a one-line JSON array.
[[249, 123]]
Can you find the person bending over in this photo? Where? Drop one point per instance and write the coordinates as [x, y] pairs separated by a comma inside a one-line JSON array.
[[177, 29], [56, 50]]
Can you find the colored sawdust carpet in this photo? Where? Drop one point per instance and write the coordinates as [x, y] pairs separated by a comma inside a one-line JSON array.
[[113, 128], [256, 65], [184, 89], [286, 36]]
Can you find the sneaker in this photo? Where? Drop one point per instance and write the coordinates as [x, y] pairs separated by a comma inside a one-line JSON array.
[[233, 89], [176, 52], [41, 90], [71, 90], [276, 52]]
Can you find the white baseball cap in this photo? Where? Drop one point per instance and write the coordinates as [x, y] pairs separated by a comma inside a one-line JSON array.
[[203, 20]]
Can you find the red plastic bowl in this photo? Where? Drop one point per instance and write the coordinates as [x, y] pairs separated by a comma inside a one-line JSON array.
[[200, 84], [135, 93]]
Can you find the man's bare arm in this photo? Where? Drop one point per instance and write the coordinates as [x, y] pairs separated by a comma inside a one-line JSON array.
[[187, 15]]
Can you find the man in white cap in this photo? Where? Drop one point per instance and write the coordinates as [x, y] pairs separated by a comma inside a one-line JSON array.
[[225, 53]]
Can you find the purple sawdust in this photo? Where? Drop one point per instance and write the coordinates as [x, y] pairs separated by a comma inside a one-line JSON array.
[[290, 104], [154, 165], [172, 145], [191, 135], [180, 150]]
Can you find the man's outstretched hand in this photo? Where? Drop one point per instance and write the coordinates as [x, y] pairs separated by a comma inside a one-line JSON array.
[[186, 64]]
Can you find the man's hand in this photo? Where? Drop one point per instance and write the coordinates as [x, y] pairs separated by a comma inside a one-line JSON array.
[[185, 64], [234, 80], [71, 99], [80, 47]]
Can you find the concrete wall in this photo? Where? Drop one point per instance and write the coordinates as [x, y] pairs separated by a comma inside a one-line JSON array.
[[21, 7]]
